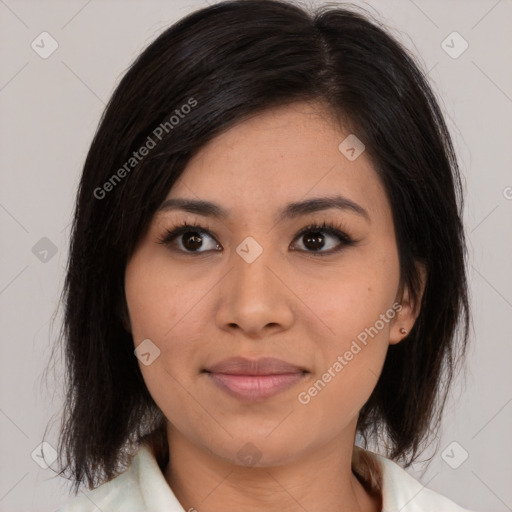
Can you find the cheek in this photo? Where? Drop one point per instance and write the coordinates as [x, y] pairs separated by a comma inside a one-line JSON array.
[[157, 315], [348, 362], [165, 307], [159, 297], [355, 296], [357, 308]]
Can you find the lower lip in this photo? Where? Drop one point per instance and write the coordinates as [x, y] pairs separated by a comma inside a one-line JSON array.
[[255, 387]]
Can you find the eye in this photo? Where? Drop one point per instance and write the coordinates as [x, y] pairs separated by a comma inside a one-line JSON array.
[[187, 238], [190, 238], [313, 239]]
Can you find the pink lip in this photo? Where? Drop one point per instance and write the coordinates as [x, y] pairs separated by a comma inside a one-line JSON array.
[[261, 366], [254, 380], [255, 387]]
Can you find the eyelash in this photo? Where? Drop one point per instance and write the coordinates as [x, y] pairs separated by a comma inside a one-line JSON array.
[[332, 229]]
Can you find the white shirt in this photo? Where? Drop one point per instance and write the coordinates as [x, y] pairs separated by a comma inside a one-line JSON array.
[[143, 488]]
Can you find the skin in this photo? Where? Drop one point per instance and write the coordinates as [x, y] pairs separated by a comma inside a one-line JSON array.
[[201, 308]]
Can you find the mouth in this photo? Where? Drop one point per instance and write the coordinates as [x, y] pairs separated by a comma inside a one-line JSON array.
[[254, 380]]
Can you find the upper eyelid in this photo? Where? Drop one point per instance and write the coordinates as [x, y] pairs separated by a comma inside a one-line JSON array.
[[186, 226], [201, 226]]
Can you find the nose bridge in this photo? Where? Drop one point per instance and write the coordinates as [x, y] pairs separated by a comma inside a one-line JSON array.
[[252, 276], [251, 261]]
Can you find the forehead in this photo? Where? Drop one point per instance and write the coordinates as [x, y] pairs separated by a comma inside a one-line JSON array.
[[282, 155]]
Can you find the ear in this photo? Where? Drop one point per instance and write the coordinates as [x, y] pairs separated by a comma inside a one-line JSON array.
[[404, 321]]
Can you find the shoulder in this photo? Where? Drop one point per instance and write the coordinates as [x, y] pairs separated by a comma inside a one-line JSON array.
[[142, 487], [403, 493]]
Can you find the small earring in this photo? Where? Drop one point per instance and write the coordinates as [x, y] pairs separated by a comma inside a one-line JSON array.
[[403, 331]]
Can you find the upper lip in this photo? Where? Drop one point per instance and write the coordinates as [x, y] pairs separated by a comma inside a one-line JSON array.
[[261, 366]]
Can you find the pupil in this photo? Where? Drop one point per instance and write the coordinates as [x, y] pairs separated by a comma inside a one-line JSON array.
[[195, 238], [314, 239]]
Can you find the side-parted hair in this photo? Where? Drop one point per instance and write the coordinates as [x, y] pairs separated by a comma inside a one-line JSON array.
[[209, 71]]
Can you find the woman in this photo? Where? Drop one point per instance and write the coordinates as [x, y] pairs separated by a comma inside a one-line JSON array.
[[267, 259]]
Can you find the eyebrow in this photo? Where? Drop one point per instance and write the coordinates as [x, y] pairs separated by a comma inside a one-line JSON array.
[[291, 210]]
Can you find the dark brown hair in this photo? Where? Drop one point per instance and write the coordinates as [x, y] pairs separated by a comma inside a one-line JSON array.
[[230, 61]]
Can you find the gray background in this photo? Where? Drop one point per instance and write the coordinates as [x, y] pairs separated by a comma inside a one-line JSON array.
[[49, 112]]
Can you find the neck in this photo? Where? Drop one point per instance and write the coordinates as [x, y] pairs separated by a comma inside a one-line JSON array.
[[321, 480]]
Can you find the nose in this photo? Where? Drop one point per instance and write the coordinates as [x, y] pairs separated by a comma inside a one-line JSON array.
[[254, 298]]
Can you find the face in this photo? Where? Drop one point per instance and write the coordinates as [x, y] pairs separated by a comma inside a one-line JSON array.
[[257, 282]]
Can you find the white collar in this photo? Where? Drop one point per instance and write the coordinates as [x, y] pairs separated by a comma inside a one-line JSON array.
[[142, 487]]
